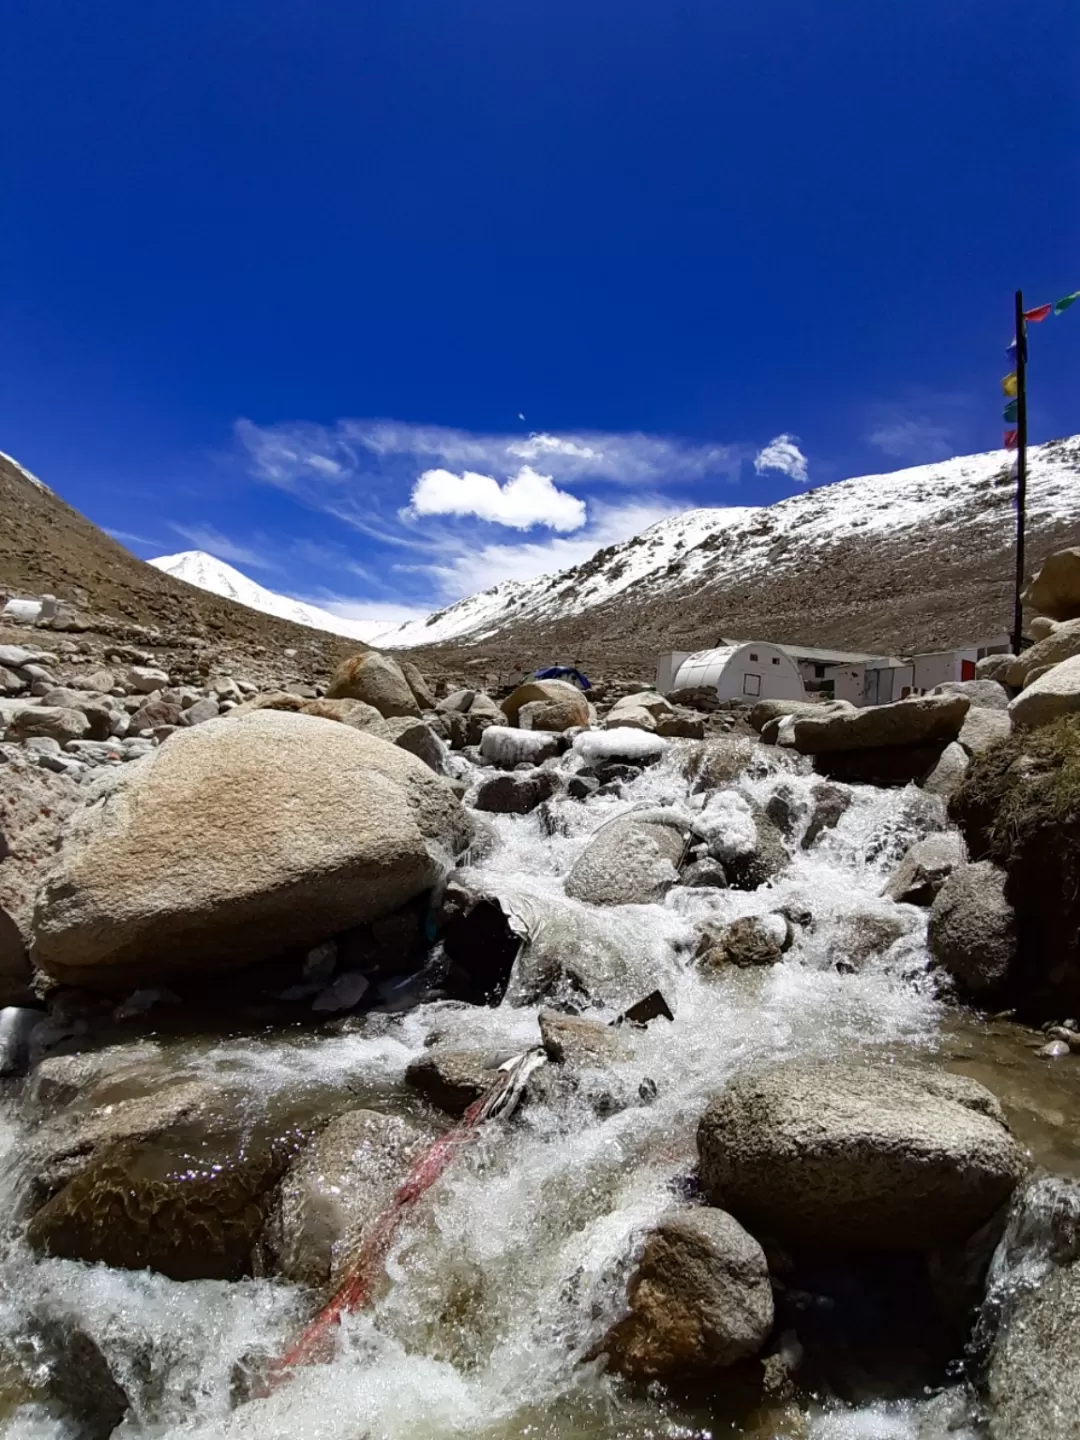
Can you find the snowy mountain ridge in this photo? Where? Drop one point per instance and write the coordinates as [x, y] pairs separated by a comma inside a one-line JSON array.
[[933, 515]]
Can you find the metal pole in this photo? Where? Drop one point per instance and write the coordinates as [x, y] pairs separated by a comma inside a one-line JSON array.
[[1021, 469]]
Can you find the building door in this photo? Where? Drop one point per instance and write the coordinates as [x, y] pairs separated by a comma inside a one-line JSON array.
[[967, 669]]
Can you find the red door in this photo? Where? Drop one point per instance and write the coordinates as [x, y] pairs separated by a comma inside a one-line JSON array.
[[967, 669]]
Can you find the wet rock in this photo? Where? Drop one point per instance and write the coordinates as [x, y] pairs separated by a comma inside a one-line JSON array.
[[858, 1154], [925, 868], [580, 787], [57, 723], [628, 862], [505, 747], [863, 936], [786, 808], [948, 774], [740, 835], [830, 804], [983, 728], [191, 1213], [576, 1040], [17, 1027], [621, 746], [983, 694], [1055, 693], [699, 1300], [452, 1079], [15, 971], [378, 681], [766, 711], [562, 705], [74, 1374], [335, 1190], [185, 863], [418, 739], [704, 874], [750, 941], [972, 929], [719, 762], [516, 793], [924, 720]]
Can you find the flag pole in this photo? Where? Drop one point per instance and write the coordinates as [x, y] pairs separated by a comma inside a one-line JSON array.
[[1021, 469]]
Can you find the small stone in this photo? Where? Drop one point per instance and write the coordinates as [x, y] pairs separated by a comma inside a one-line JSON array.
[[42, 745], [59, 724], [145, 679], [201, 710]]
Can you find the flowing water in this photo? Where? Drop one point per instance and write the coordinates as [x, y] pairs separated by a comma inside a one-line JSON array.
[[515, 1264]]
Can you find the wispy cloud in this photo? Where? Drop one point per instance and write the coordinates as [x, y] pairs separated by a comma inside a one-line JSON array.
[[916, 438], [126, 537], [782, 453], [526, 500], [205, 537]]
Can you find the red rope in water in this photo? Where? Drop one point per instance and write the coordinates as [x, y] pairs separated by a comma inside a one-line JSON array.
[[314, 1347]]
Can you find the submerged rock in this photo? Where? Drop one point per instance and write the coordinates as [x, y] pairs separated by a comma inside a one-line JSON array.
[[452, 1079], [335, 1189], [699, 1300], [516, 794], [858, 1154], [750, 941], [188, 865]]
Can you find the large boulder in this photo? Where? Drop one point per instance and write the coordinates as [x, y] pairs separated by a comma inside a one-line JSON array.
[[335, 1190], [984, 694], [750, 941], [1055, 590], [972, 929], [767, 710], [924, 720], [1034, 1379], [378, 681], [422, 691], [698, 1301], [858, 1154], [418, 738], [1063, 643], [947, 775], [629, 862], [925, 868], [995, 667], [1053, 694], [236, 840], [564, 705]]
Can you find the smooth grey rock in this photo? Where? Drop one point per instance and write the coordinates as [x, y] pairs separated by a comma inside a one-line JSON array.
[[983, 728], [377, 680], [58, 724], [418, 738], [948, 774], [628, 862], [201, 711], [1055, 693], [923, 720], [145, 679], [858, 1153], [972, 929], [983, 694]]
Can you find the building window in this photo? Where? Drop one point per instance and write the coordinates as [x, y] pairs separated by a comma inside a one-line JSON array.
[[819, 672], [753, 656], [751, 684], [776, 659]]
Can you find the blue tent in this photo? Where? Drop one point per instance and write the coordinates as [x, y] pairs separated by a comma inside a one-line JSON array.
[[564, 672]]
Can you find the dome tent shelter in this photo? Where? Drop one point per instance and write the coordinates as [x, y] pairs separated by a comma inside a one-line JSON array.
[[751, 672]]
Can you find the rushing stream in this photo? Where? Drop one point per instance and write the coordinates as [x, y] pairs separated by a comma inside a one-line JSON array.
[[515, 1264]]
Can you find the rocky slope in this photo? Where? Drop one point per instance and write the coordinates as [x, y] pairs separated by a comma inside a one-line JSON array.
[[114, 600]]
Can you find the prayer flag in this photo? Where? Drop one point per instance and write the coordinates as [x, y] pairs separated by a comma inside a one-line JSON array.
[[1010, 439], [1038, 314], [1009, 413], [1063, 304], [1008, 383]]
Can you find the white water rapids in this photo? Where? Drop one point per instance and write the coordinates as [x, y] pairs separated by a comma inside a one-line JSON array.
[[515, 1264]]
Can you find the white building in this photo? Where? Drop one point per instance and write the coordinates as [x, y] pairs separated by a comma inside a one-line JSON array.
[[852, 675], [737, 672]]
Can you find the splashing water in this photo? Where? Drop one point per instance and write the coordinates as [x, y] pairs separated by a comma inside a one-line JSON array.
[[514, 1266]]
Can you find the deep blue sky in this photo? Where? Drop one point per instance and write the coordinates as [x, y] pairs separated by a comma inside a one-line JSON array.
[[704, 222]]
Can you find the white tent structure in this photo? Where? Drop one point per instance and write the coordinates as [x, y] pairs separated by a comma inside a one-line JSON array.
[[737, 672]]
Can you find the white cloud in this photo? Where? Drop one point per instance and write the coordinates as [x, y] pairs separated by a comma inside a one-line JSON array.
[[205, 537], [782, 453], [392, 612], [526, 500], [125, 536], [480, 567], [917, 439]]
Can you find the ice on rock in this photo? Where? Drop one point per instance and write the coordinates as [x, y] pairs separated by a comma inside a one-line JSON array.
[[727, 822], [622, 743], [503, 746]]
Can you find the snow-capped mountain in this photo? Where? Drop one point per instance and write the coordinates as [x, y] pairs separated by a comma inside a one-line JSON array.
[[890, 562], [210, 573], [731, 562]]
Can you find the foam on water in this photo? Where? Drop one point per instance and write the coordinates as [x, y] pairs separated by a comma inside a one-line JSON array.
[[514, 1266]]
